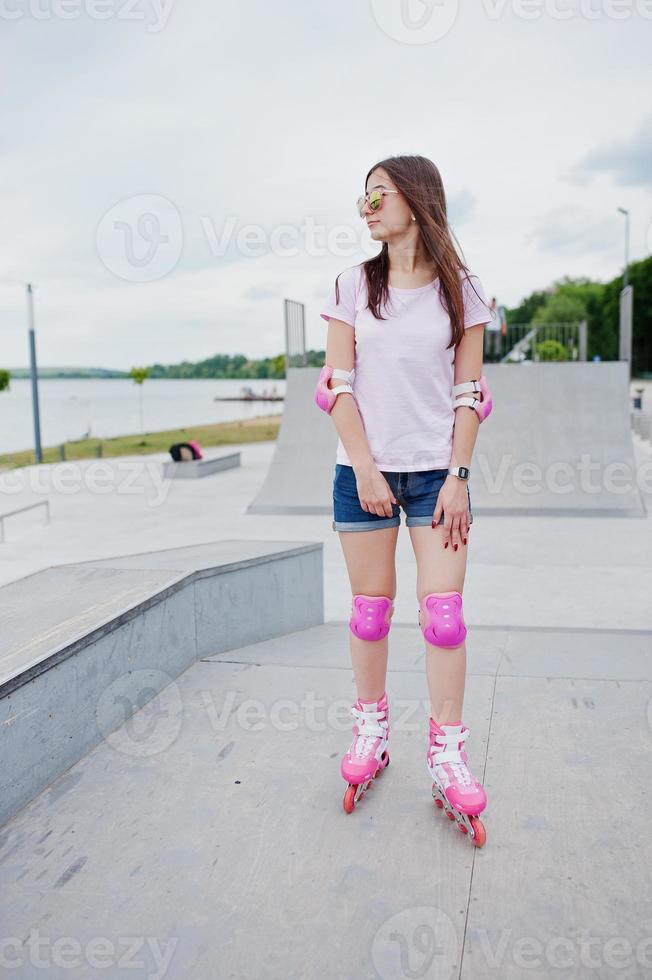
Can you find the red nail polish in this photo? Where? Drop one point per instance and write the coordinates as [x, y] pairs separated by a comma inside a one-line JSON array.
[[446, 545], [454, 547]]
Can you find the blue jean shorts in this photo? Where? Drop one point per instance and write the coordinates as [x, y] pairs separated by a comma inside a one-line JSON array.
[[416, 493]]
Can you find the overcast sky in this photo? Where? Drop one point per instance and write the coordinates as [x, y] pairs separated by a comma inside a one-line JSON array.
[[170, 173]]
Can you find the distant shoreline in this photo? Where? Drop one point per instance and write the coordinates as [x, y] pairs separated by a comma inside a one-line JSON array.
[[22, 374], [260, 429]]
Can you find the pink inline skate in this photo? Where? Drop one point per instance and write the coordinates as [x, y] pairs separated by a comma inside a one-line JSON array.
[[455, 789], [367, 755]]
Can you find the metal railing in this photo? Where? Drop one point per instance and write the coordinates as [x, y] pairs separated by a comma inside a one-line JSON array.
[[20, 510], [522, 339], [295, 334]]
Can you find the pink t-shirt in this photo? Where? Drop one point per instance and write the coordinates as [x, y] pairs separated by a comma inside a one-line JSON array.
[[404, 374]]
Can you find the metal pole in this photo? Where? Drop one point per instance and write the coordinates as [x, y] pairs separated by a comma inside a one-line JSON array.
[[32, 362], [626, 272]]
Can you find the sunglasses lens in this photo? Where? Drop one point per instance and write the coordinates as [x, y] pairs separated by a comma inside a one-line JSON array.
[[360, 205], [375, 200]]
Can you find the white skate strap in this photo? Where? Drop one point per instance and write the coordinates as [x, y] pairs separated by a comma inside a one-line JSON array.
[[451, 756], [471, 402], [339, 389], [452, 738], [466, 386], [368, 723]]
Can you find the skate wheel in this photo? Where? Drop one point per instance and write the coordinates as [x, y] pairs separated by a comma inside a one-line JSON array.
[[463, 829], [439, 804], [451, 816], [479, 833], [349, 799]]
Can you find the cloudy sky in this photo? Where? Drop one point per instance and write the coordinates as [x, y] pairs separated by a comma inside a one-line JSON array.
[[170, 171]]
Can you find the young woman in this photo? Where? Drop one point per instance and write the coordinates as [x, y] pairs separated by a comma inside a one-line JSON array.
[[405, 327]]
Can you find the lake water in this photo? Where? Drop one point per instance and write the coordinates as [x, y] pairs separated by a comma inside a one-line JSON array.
[[110, 407]]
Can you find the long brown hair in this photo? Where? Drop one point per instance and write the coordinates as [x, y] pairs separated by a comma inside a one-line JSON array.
[[420, 182]]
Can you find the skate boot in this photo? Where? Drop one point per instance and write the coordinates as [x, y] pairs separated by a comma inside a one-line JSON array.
[[455, 789], [367, 755]]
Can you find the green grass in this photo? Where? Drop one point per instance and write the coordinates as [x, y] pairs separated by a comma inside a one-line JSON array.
[[259, 429]]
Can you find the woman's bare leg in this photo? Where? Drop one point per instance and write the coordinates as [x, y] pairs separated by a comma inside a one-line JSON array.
[[370, 562], [441, 570]]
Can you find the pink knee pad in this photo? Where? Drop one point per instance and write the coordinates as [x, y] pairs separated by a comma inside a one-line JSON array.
[[441, 620], [370, 616]]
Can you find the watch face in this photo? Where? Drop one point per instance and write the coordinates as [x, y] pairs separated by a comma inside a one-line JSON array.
[[464, 472]]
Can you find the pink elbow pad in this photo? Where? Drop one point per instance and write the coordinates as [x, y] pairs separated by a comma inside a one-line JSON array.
[[482, 405], [324, 396]]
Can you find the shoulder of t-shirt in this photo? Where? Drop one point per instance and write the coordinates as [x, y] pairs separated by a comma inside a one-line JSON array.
[[351, 277], [476, 306]]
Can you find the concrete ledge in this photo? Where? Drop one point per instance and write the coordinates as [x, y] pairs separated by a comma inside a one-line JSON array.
[[193, 468], [78, 638]]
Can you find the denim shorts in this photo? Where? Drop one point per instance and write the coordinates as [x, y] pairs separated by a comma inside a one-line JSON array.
[[416, 493]]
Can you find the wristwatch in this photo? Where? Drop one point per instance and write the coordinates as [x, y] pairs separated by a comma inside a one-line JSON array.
[[463, 472]]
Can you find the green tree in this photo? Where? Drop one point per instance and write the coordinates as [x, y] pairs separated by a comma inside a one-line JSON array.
[[139, 375]]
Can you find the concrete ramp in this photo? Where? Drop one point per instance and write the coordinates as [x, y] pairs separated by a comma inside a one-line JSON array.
[[558, 442], [300, 478]]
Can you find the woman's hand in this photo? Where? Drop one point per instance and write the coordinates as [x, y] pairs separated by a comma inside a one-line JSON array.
[[453, 501], [374, 491]]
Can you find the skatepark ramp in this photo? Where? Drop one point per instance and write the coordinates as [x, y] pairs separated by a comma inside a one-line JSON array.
[[558, 442], [85, 645], [300, 476]]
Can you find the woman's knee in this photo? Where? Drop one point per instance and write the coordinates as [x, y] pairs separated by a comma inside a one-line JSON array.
[[441, 618], [371, 616]]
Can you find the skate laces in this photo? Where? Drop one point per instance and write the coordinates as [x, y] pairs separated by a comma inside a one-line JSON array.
[[371, 725]]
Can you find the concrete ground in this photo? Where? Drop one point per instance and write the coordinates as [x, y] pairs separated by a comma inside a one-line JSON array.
[[205, 839]]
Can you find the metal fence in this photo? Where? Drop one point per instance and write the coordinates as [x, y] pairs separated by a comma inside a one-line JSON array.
[[521, 342], [295, 334]]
